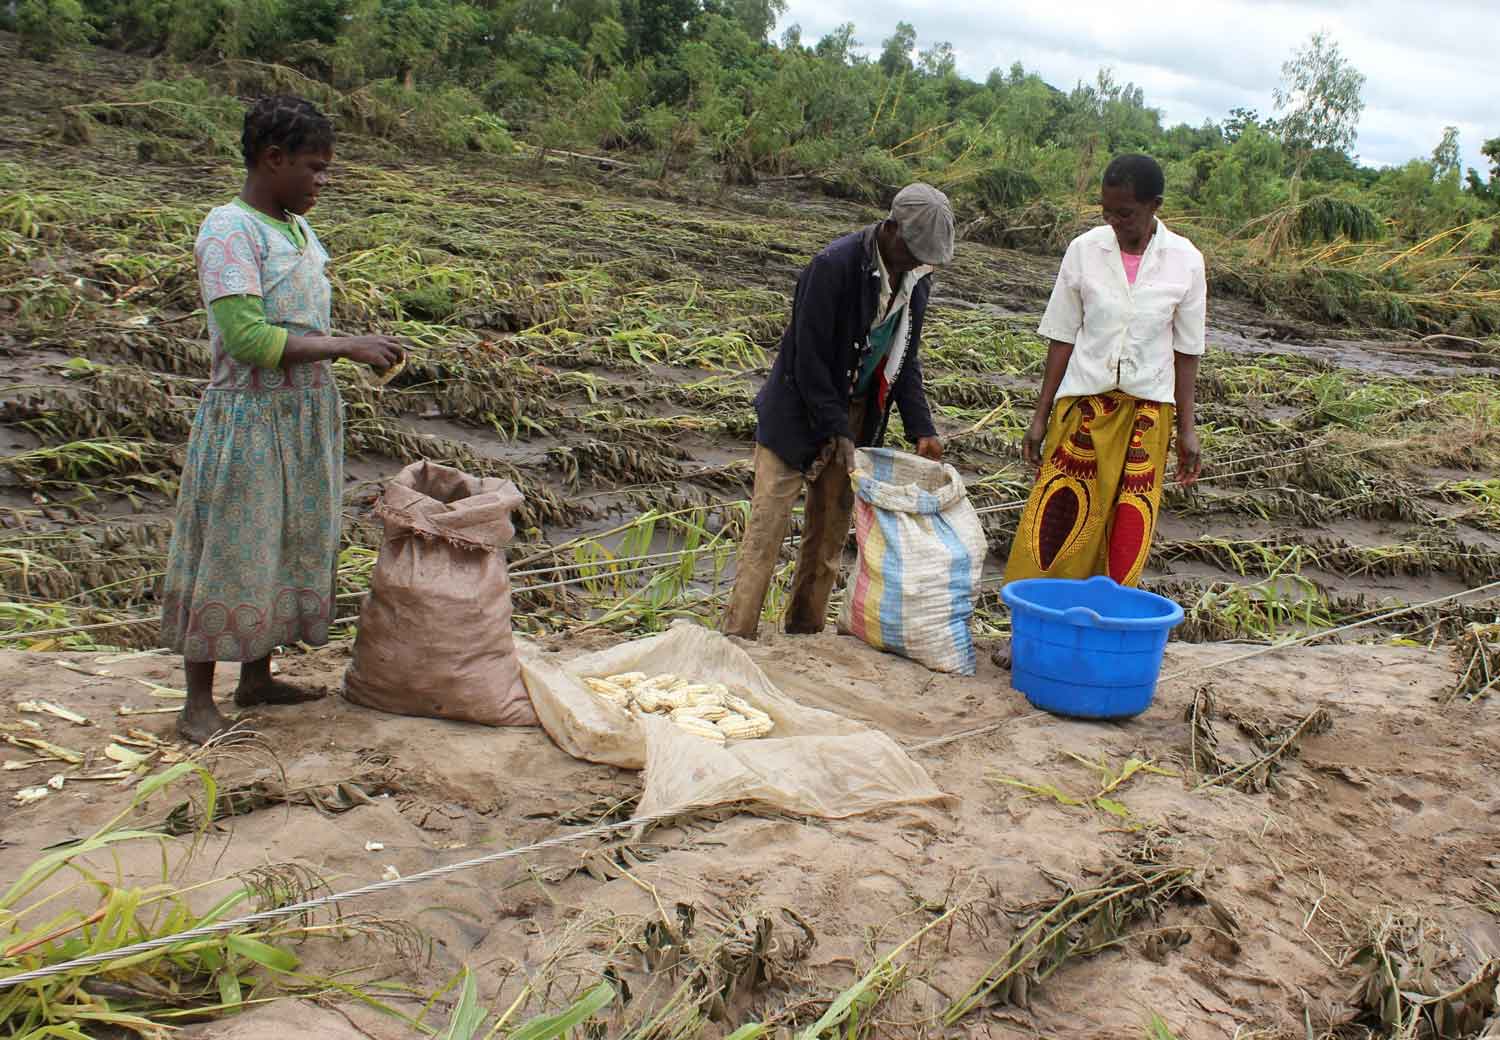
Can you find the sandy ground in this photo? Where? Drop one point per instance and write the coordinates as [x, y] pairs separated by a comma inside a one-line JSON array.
[[1397, 806]]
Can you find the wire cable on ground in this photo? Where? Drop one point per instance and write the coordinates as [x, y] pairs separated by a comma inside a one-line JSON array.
[[309, 905], [1327, 632]]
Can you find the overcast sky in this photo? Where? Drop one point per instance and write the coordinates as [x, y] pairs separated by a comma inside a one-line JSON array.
[[1428, 63]]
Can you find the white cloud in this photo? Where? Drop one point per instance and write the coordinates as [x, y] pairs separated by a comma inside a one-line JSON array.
[[1427, 65]]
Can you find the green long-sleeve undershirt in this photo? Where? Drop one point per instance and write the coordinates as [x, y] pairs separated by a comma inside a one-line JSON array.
[[247, 336], [245, 333]]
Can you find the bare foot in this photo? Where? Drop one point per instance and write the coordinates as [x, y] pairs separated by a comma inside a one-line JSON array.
[[1000, 656], [272, 691], [199, 725]]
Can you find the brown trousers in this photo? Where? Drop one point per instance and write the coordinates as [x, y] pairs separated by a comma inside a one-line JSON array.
[[825, 531]]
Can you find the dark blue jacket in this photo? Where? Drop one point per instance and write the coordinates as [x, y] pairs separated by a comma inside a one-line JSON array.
[[805, 401]]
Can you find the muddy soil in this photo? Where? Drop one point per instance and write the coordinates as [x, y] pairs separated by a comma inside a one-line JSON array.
[[1394, 808]]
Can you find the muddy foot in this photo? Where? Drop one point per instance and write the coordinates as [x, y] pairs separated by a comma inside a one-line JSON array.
[[1000, 656], [199, 727], [273, 692]]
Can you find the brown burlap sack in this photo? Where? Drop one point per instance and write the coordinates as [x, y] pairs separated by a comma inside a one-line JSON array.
[[434, 633]]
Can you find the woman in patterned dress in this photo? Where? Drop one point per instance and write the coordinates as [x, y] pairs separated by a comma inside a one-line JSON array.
[[1125, 326], [259, 515]]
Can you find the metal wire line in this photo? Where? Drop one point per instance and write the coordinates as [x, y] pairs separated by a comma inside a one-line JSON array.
[[309, 905]]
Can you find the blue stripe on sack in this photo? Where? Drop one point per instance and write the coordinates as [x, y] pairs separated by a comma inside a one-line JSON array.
[[892, 621], [960, 594], [885, 466], [927, 502]]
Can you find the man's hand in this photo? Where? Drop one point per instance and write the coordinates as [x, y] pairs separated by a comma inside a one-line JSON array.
[[843, 453], [838, 451], [1036, 436], [930, 448], [1189, 457]]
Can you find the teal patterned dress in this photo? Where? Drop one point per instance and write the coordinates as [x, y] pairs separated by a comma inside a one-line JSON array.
[[259, 515]]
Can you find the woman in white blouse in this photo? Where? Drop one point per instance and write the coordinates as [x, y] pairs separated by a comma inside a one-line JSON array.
[[1126, 329]]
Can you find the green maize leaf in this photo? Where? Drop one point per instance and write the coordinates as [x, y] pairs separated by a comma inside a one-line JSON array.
[[262, 953], [468, 1014], [558, 1026]]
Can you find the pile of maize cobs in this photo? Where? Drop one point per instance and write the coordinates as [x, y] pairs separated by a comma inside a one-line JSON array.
[[708, 710]]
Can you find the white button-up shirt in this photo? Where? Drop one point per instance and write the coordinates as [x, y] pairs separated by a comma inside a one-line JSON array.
[[889, 298], [1124, 336]]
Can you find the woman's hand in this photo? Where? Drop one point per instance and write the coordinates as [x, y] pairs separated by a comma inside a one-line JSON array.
[[930, 448], [375, 351], [1189, 457], [1036, 436]]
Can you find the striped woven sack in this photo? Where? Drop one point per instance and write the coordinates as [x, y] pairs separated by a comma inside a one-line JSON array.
[[921, 550]]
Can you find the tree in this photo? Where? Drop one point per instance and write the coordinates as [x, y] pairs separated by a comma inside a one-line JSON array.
[[658, 27], [756, 17], [1477, 186], [838, 45], [1446, 156], [1243, 184], [1239, 119], [938, 61], [895, 54], [1320, 96], [1024, 114], [606, 44]]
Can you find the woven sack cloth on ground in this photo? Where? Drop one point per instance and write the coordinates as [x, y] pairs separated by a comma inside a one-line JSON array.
[[434, 633], [814, 762], [921, 551]]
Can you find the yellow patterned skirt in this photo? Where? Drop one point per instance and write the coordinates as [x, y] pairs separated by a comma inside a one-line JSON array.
[[1095, 504]]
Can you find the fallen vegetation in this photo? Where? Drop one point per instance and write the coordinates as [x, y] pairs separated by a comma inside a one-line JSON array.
[[597, 336]]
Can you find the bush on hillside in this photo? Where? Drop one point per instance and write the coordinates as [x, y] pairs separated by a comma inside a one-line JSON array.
[[1000, 187], [49, 26]]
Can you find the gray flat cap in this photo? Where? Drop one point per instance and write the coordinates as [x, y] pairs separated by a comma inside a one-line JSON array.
[[926, 221]]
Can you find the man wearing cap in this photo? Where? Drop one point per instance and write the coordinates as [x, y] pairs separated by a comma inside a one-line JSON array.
[[848, 354]]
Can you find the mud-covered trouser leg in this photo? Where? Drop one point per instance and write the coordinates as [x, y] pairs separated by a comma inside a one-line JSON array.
[[777, 486]]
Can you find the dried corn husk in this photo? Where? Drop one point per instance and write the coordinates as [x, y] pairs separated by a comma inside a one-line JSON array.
[[57, 710]]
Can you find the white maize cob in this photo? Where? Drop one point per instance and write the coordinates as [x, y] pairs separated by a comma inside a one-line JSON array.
[[712, 710], [738, 727], [745, 708], [673, 699], [605, 687], [699, 728]]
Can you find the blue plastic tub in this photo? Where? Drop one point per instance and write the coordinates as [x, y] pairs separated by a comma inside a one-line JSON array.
[[1090, 649]]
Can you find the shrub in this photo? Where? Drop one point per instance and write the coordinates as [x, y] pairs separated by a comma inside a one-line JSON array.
[[1000, 188], [191, 114], [446, 119], [48, 26], [1328, 217], [873, 175]]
